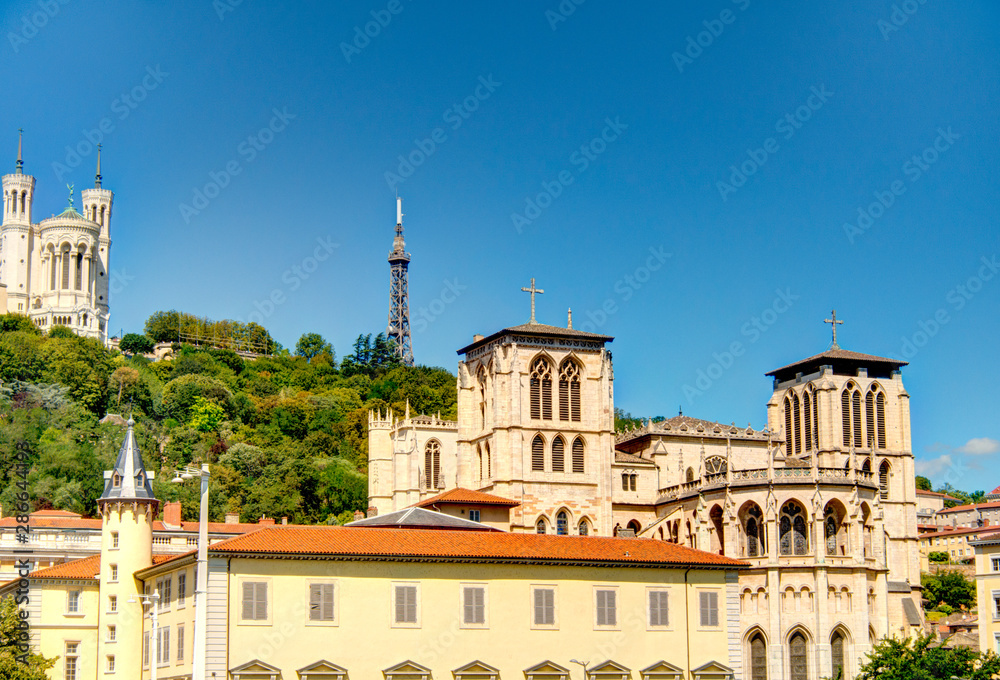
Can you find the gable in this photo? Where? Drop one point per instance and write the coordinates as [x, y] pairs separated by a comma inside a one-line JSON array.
[[255, 670], [609, 670], [407, 670], [662, 670], [713, 670], [546, 669], [322, 669], [476, 669]]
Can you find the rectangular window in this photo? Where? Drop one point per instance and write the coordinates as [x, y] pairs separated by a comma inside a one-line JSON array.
[[164, 586], [996, 564], [996, 605], [112, 604], [474, 605], [114, 540], [405, 604], [112, 634], [163, 646], [321, 601], [180, 642], [70, 661], [709, 606], [474, 515], [544, 606], [73, 602], [181, 588], [255, 601], [658, 617], [606, 606], [111, 664], [114, 573], [145, 650]]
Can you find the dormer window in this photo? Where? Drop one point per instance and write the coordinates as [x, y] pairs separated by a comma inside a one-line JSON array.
[[116, 480], [138, 479]]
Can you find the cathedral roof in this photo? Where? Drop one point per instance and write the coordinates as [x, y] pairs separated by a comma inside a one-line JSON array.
[[462, 496], [70, 213], [419, 518], [129, 479], [693, 427], [844, 362], [539, 330]]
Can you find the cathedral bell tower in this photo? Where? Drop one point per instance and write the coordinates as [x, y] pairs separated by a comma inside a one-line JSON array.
[[97, 203], [16, 237], [127, 509]]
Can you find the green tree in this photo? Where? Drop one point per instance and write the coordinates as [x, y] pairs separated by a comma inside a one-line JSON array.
[[82, 365], [20, 356], [133, 343], [59, 331], [206, 415], [163, 326], [312, 345], [13, 664], [938, 557], [923, 484], [17, 322], [916, 659], [977, 496], [949, 586]]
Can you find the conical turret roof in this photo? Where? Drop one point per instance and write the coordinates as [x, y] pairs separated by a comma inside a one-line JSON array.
[[128, 480]]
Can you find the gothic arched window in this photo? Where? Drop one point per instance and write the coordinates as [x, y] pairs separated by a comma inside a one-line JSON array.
[[789, 445], [479, 456], [578, 465], [883, 480], [758, 658], [718, 532], [792, 536], [880, 414], [754, 529], [715, 465], [489, 461], [562, 523], [538, 454], [857, 438], [541, 389], [558, 454], [796, 424], [837, 654], [690, 475], [569, 391], [875, 417], [540, 526], [807, 421], [481, 380], [432, 464], [584, 528], [798, 657]]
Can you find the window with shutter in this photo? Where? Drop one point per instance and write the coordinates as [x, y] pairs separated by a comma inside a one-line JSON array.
[[870, 420], [880, 414], [796, 424], [709, 608], [406, 604], [607, 610], [789, 439], [474, 605], [321, 602], [856, 419], [432, 464], [541, 389], [538, 454], [558, 454], [544, 606], [883, 480], [578, 465], [254, 601], [569, 391], [807, 421], [658, 608], [180, 642], [845, 412]]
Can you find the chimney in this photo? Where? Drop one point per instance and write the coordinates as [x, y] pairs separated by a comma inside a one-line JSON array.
[[372, 511], [477, 337], [172, 513], [358, 515], [284, 521], [232, 518], [569, 319], [266, 521]]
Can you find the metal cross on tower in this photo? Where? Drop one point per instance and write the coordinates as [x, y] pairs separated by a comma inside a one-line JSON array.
[[399, 295], [532, 290], [833, 323]]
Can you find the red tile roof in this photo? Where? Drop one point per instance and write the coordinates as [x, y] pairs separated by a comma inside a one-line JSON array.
[[922, 492], [466, 545], [466, 497], [973, 506], [62, 522], [46, 519], [961, 530], [85, 568]]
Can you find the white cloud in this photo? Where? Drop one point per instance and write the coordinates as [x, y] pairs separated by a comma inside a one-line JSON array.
[[980, 446], [934, 466]]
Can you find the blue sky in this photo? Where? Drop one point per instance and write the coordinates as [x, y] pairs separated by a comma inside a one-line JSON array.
[[672, 173]]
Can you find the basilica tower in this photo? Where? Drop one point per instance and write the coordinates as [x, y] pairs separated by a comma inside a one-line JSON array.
[[127, 508], [17, 239], [398, 329]]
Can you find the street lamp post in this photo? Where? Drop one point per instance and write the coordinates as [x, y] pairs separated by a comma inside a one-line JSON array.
[[154, 643], [201, 572], [582, 663]]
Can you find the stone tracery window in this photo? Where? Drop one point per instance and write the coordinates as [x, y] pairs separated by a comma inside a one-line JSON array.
[[754, 531], [792, 534], [758, 658], [569, 391], [715, 465], [578, 457], [538, 454], [558, 454], [432, 464], [541, 389]]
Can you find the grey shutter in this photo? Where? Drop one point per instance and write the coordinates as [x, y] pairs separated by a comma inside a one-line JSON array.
[[248, 591]]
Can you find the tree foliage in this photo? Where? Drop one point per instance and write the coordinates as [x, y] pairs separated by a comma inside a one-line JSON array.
[[923, 484], [311, 345], [949, 586], [174, 326], [918, 659], [13, 664], [938, 557], [134, 343]]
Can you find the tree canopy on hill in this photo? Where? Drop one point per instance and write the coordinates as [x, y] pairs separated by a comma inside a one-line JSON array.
[[285, 435], [174, 326]]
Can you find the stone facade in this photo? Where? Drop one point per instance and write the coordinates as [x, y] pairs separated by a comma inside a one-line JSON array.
[[821, 503], [56, 271]]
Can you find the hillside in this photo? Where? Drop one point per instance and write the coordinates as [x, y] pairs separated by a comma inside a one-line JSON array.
[[286, 435]]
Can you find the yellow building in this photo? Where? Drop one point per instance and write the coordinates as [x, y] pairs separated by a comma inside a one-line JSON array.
[[401, 604], [956, 543], [988, 592]]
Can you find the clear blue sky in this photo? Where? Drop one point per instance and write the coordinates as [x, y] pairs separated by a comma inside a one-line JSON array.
[[680, 92]]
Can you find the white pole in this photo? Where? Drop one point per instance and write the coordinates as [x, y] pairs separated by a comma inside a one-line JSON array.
[[154, 644], [201, 585]]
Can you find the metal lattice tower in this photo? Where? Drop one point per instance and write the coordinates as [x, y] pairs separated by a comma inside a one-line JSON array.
[[399, 294]]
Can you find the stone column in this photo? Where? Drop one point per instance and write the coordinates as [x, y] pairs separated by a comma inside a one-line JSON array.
[[72, 269]]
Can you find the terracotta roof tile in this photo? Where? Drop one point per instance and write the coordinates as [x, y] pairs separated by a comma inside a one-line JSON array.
[[466, 497], [466, 545], [936, 494], [630, 458], [839, 354], [539, 329], [85, 568], [967, 507]]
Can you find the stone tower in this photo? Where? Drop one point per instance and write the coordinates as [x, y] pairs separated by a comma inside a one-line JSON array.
[[127, 509], [18, 241], [536, 425], [399, 292]]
